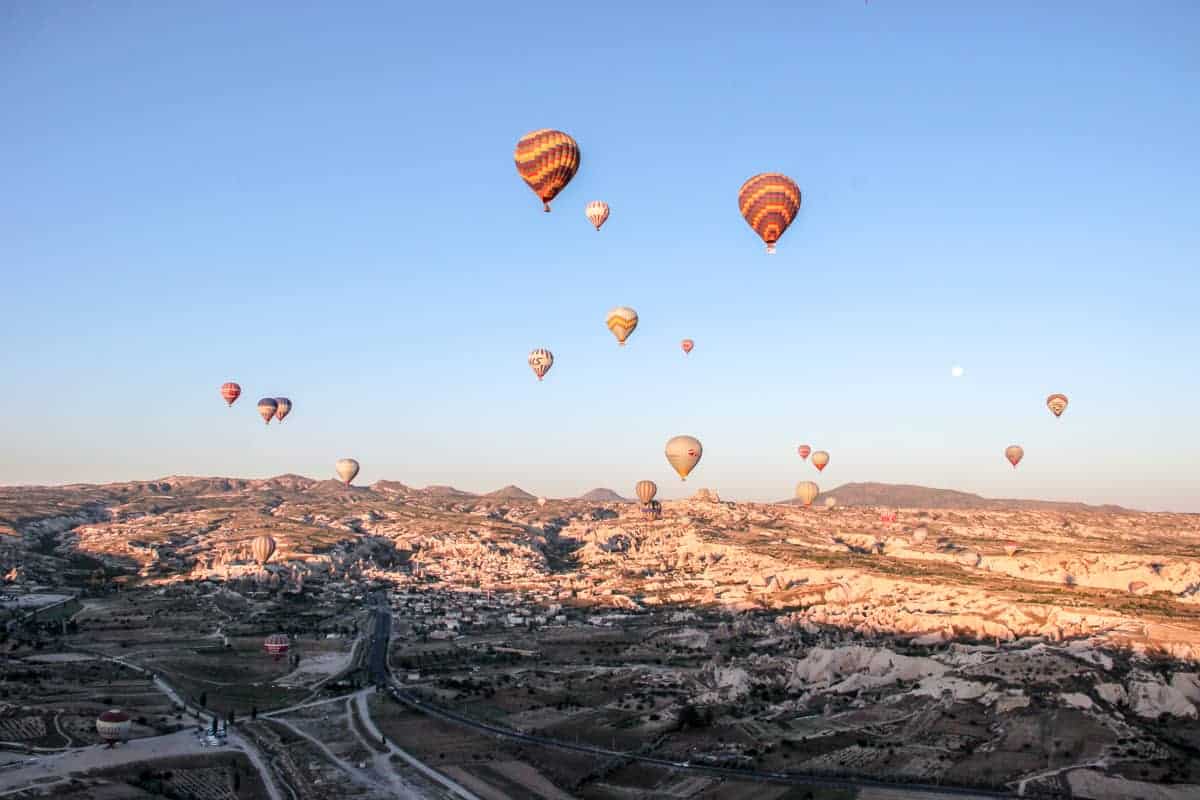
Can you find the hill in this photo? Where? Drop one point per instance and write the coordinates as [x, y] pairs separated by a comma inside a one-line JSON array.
[[603, 496], [510, 492], [903, 495]]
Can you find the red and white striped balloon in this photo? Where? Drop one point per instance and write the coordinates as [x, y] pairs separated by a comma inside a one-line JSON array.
[[597, 212], [230, 391], [804, 450]]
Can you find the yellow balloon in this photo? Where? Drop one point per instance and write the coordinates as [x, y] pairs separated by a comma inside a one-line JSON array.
[[683, 453], [807, 491]]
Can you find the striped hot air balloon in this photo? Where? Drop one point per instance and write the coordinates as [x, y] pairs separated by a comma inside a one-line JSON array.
[[1057, 403], [113, 726], [820, 460], [687, 345], [277, 644], [621, 321], [769, 203], [263, 547], [540, 361], [804, 451], [267, 408], [1014, 453], [231, 392], [546, 161], [597, 212], [645, 491], [683, 453], [283, 407]]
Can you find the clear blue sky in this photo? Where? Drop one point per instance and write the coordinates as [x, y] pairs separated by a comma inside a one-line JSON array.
[[319, 201]]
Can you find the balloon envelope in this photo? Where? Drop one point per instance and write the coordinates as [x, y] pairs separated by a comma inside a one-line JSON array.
[[769, 202], [597, 212], [277, 644], [540, 361], [804, 450], [113, 725], [263, 547], [621, 321], [347, 468], [807, 491], [646, 491], [683, 453], [1014, 453], [546, 160], [267, 408], [687, 345], [283, 407], [820, 459], [1057, 403], [230, 391]]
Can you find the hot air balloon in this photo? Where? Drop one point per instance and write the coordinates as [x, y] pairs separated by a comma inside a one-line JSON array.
[[652, 510], [769, 203], [540, 361], [1014, 453], [541, 501], [113, 726], [284, 407], [645, 491], [267, 408], [230, 391], [807, 491], [683, 453], [277, 644], [887, 516], [263, 547], [687, 345], [1057, 403], [820, 459], [546, 161], [830, 502], [597, 212], [621, 321], [804, 450], [347, 468]]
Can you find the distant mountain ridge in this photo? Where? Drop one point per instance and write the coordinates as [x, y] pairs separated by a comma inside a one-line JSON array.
[[510, 492], [902, 495], [603, 495]]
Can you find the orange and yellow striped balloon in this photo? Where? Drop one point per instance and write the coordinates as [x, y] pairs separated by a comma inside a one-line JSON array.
[[621, 321], [769, 203], [547, 160]]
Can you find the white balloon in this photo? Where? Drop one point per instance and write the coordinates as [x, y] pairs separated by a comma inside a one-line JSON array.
[[956, 372]]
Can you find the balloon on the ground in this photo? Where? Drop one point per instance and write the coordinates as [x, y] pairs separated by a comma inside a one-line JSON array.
[[683, 453], [540, 361], [267, 408], [546, 160], [230, 392], [621, 321], [769, 202], [597, 212], [347, 468]]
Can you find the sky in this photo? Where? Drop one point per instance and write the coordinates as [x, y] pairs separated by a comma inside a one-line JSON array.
[[319, 201]]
